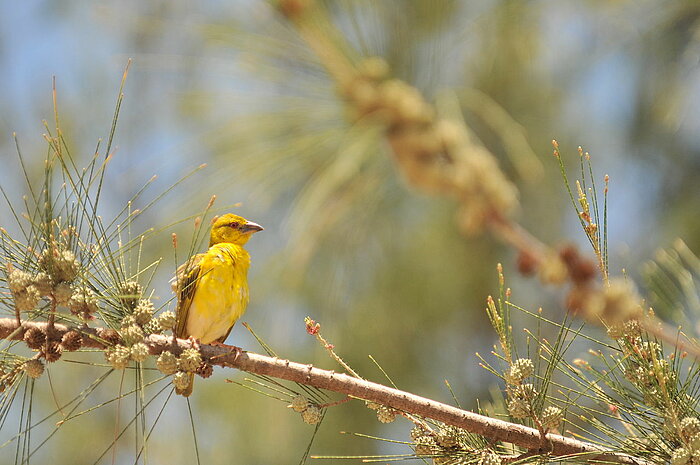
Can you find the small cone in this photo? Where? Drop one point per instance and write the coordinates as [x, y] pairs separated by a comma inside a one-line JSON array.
[[186, 391]]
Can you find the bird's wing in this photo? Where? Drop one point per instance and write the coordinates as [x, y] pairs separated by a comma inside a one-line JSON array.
[[186, 278]]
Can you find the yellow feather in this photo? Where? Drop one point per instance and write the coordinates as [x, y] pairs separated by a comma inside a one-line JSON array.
[[212, 287], [221, 293]]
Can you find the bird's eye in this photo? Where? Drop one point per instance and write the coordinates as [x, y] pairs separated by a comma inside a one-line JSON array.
[[234, 224]]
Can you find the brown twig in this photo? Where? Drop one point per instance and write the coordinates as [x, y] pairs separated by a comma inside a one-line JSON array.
[[336, 403], [490, 428]]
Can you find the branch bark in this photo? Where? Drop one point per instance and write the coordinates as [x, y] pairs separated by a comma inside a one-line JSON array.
[[233, 357]]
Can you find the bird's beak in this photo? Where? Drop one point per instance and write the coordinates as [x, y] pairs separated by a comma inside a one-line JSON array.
[[251, 227]]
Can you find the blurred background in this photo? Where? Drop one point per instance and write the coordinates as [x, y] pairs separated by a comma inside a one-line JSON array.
[[382, 267]]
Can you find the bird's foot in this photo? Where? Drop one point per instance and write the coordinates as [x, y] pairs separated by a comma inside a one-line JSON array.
[[226, 346], [194, 342]]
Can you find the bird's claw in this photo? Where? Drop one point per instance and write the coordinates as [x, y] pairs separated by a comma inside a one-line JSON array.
[[194, 342], [226, 346]]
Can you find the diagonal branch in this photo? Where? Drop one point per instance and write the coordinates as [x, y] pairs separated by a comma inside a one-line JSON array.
[[441, 156], [233, 357]]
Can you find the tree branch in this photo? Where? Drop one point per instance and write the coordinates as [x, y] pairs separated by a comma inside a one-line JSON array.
[[233, 357]]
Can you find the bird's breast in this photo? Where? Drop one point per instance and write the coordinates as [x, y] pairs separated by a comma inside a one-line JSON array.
[[221, 294]]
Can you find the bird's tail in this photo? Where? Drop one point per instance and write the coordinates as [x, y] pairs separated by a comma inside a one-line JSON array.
[[187, 390]]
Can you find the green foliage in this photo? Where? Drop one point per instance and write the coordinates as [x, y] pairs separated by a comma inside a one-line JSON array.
[[65, 264]]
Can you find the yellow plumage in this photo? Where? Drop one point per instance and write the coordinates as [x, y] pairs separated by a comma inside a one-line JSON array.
[[212, 288]]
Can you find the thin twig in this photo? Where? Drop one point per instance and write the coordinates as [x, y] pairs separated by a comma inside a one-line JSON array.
[[336, 403]]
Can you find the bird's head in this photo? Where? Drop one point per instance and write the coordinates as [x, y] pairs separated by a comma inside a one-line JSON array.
[[232, 229]]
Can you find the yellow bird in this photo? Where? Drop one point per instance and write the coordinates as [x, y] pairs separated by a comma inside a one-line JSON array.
[[212, 287]]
